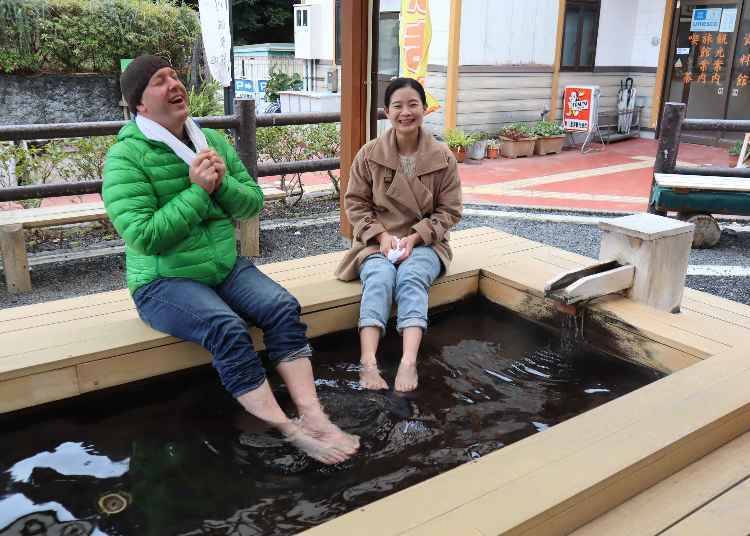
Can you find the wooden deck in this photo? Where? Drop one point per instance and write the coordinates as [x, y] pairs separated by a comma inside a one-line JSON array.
[[578, 472]]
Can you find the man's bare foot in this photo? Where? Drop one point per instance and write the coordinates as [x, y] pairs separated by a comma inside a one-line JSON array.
[[370, 378], [317, 449], [318, 425], [406, 377]]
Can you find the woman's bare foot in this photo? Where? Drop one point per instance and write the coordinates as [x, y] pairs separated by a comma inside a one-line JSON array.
[[318, 425], [317, 449], [370, 378], [406, 377]]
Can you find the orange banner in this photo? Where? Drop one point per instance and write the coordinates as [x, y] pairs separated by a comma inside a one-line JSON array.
[[415, 34]]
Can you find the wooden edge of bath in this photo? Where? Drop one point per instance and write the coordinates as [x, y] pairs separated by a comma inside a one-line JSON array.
[[562, 478], [700, 484], [104, 364]]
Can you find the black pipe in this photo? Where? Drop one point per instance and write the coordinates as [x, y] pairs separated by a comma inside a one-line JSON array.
[[712, 171], [300, 166], [724, 125], [98, 128], [37, 191]]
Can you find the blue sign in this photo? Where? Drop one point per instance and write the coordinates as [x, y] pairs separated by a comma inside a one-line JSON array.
[[244, 86], [706, 20], [262, 85]]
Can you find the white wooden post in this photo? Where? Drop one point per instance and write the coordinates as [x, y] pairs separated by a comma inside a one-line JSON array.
[[659, 248]]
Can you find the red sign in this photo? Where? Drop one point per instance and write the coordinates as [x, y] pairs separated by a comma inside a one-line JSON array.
[[577, 108]]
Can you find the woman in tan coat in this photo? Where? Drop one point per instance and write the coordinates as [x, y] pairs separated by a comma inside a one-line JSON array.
[[403, 196]]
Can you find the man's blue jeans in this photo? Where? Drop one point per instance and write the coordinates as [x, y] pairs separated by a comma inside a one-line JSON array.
[[217, 318], [408, 282]]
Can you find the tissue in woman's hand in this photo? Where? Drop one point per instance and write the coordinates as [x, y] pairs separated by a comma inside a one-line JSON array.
[[395, 254]]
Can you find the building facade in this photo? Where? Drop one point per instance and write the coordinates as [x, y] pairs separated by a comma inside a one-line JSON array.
[[514, 57]]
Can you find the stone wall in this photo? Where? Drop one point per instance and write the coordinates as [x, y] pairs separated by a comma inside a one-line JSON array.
[[52, 98]]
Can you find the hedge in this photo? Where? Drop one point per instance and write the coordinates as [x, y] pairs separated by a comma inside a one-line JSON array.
[[91, 36]]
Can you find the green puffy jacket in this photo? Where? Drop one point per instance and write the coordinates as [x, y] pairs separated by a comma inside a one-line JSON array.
[[173, 228]]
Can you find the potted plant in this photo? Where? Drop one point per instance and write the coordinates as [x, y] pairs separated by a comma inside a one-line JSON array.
[[493, 148], [517, 140], [550, 137], [477, 150], [457, 141]]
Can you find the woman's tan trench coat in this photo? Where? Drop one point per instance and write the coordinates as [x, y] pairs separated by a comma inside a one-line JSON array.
[[381, 198]]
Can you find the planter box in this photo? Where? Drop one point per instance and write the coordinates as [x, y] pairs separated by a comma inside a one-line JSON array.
[[549, 144], [514, 149], [493, 152]]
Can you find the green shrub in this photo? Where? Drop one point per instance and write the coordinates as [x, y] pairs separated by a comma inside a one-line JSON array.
[[546, 129], [74, 36], [280, 81], [206, 102], [300, 142], [516, 131], [457, 138]]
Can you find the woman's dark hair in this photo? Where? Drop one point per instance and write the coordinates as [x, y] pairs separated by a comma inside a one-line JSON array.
[[398, 83]]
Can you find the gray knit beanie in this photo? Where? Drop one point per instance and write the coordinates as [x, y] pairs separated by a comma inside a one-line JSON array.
[[136, 76]]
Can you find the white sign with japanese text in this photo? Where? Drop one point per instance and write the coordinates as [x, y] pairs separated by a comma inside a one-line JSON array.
[[214, 15]]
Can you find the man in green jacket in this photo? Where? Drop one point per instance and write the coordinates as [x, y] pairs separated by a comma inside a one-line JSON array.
[[172, 191]]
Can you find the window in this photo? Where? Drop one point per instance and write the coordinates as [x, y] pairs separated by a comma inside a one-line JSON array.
[[579, 35], [302, 18], [388, 46]]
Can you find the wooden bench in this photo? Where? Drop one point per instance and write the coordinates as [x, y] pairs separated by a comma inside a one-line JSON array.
[[697, 197], [13, 243]]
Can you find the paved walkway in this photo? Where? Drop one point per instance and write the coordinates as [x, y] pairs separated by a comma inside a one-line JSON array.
[[616, 179]]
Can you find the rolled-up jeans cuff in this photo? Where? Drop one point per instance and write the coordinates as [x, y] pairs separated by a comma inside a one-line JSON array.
[[305, 351], [372, 323], [246, 388], [411, 323]]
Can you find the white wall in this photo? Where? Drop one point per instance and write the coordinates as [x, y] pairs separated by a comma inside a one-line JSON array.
[[647, 37], [508, 32], [440, 15], [626, 31]]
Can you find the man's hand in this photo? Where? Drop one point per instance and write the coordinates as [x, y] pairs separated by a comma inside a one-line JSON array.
[[408, 244], [387, 242], [203, 172], [219, 166]]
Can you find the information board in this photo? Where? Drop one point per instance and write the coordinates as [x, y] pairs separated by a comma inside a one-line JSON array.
[[580, 105]]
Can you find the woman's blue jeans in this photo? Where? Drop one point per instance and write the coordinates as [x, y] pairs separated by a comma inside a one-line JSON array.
[[408, 282], [217, 318]]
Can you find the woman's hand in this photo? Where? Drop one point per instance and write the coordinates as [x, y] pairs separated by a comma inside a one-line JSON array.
[[387, 242], [408, 244]]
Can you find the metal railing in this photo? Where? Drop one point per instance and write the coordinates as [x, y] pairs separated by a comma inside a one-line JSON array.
[[244, 122], [673, 122]]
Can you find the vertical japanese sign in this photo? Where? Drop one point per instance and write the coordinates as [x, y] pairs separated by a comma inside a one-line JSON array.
[[415, 34], [214, 15], [580, 107]]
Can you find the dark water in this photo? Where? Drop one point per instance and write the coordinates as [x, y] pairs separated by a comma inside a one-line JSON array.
[[176, 455]]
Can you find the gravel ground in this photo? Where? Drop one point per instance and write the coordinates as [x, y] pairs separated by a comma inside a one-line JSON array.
[[75, 278]]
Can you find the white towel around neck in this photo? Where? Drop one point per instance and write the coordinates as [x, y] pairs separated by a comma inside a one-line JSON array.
[[154, 131]]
